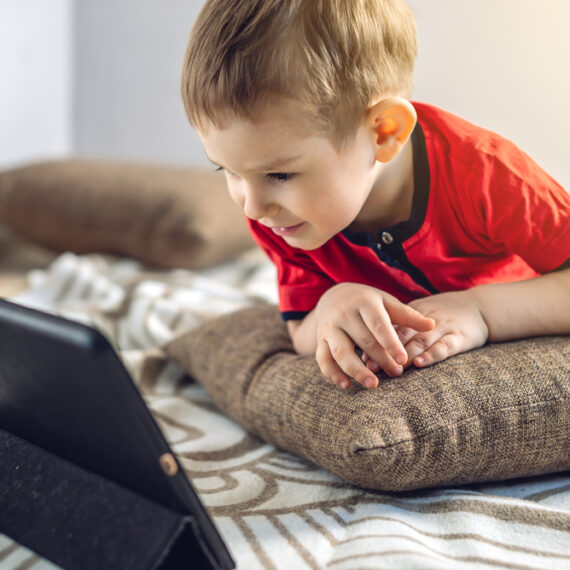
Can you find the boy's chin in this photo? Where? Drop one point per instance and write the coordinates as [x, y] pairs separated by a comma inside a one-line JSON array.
[[306, 244]]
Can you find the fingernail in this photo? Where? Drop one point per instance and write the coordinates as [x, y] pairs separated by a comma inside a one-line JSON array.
[[344, 384], [370, 383], [401, 358], [419, 361], [397, 371]]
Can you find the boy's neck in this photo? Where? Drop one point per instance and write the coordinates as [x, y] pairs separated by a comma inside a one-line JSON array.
[[390, 200]]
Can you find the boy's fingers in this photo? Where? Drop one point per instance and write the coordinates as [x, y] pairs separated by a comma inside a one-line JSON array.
[[448, 345], [330, 368], [417, 345], [379, 358], [374, 366], [407, 316], [380, 341], [339, 355], [370, 364], [405, 334]]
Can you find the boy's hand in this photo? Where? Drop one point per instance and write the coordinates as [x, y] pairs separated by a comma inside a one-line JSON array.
[[459, 327], [350, 315]]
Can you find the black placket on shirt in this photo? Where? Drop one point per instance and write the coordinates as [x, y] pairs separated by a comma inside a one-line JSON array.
[[387, 243]]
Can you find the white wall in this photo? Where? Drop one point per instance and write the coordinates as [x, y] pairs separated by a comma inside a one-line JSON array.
[[504, 64], [128, 58], [35, 79]]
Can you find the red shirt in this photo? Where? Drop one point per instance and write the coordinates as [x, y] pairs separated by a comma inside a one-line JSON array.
[[482, 212]]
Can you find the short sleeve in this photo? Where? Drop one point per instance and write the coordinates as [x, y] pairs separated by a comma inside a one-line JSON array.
[[524, 209], [300, 281]]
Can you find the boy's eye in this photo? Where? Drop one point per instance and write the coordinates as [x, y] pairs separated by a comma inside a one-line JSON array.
[[280, 176]]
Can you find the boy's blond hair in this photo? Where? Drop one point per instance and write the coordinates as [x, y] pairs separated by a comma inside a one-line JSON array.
[[333, 57]]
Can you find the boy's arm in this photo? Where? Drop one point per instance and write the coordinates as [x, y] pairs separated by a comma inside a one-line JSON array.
[[349, 315], [497, 312], [535, 307]]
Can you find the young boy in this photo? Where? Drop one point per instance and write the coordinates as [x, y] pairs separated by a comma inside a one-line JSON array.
[[397, 228]]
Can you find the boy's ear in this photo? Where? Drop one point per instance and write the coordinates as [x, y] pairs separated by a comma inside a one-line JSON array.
[[392, 121]]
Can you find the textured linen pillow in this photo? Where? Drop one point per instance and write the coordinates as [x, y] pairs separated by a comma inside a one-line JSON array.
[[162, 215], [495, 413]]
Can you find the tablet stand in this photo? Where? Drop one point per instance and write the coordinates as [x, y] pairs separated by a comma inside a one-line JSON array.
[[80, 520]]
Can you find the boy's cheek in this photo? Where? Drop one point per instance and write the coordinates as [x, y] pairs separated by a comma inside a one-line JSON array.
[[235, 195]]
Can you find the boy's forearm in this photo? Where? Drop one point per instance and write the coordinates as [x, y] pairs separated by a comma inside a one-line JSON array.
[[535, 307]]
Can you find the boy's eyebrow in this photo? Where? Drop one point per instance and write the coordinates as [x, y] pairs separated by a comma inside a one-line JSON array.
[[272, 166], [277, 164]]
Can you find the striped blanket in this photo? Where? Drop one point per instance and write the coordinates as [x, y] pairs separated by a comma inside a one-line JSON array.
[[275, 510]]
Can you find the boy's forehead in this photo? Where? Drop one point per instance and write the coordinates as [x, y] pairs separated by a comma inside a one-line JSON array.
[[273, 114], [267, 142], [253, 150]]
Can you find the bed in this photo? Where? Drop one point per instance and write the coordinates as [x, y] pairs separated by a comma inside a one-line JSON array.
[[275, 509]]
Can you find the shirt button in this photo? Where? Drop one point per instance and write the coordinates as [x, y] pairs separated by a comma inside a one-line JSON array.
[[387, 238]]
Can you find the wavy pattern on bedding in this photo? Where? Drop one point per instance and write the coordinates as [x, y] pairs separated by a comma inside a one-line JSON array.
[[275, 510]]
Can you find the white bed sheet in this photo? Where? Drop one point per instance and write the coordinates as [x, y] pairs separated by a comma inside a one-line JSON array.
[[275, 510]]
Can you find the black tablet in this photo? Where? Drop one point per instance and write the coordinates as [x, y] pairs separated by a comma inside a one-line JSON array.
[[64, 389]]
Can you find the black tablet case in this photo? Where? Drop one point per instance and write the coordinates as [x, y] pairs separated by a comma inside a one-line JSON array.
[[81, 482]]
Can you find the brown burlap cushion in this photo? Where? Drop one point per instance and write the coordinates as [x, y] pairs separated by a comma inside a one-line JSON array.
[[498, 412], [162, 215]]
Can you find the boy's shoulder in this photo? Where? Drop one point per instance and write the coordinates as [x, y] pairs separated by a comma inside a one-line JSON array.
[[452, 140], [447, 126]]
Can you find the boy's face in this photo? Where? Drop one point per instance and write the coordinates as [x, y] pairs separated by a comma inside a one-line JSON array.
[[290, 180]]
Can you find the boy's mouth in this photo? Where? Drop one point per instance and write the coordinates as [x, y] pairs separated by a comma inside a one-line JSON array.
[[288, 230]]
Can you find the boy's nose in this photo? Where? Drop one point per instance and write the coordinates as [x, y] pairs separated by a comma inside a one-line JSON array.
[[256, 205]]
